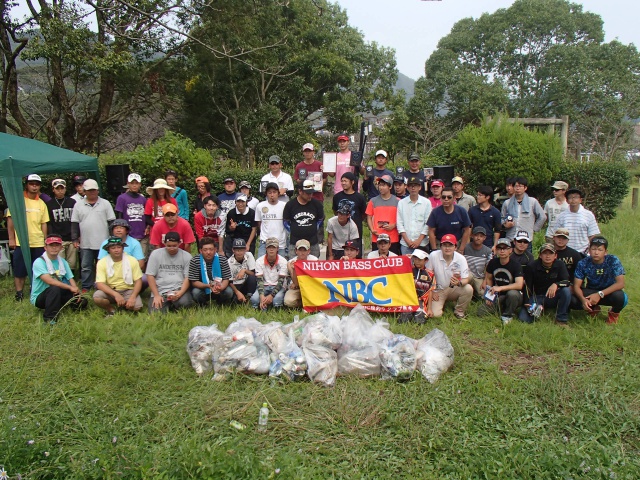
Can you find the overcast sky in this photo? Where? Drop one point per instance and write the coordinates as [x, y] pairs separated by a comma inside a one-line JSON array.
[[414, 27]]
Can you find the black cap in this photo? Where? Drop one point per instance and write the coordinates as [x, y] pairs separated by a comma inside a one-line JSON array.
[[271, 185], [171, 237], [78, 179], [239, 243]]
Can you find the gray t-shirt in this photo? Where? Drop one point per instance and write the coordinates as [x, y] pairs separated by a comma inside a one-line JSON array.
[[94, 222], [169, 271], [477, 259], [341, 233]]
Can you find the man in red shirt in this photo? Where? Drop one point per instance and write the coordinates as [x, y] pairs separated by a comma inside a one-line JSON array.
[[382, 213], [171, 222]]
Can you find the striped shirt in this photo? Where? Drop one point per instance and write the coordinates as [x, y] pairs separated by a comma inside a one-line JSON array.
[[194, 269], [581, 226]]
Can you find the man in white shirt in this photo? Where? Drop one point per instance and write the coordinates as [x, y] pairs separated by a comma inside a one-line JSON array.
[[270, 218], [243, 271], [413, 212], [271, 271], [580, 222], [452, 278], [554, 207], [384, 248], [293, 297], [281, 179]]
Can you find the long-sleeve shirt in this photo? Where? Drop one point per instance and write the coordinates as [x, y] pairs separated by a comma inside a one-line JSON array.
[[538, 278], [412, 219], [529, 219]]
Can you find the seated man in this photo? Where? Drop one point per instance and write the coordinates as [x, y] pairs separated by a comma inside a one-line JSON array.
[[271, 270], [209, 275], [599, 280], [118, 279], [168, 276], [53, 283], [520, 252], [340, 229], [121, 228], [243, 271], [293, 297], [504, 281], [568, 255], [384, 247], [351, 250], [477, 255], [452, 278], [424, 280], [547, 286]]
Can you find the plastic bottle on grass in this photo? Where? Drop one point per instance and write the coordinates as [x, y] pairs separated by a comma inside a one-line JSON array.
[[263, 418]]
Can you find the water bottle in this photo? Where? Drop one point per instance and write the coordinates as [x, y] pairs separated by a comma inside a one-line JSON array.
[[263, 418]]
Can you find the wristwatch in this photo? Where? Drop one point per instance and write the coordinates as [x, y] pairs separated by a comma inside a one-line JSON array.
[[601, 294]]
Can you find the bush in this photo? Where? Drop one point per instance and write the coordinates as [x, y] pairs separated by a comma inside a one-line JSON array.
[[604, 185], [490, 153]]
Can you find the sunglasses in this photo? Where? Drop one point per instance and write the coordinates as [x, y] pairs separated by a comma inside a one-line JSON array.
[[447, 197], [598, 241]]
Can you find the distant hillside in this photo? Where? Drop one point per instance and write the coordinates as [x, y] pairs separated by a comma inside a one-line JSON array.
[[405, 83]]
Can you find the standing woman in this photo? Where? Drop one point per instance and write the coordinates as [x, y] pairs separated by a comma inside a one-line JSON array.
[[204, 191], [159, 195], [179, 194]]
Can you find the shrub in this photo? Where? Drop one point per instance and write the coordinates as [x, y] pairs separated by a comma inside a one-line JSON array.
[[497, 149], [604, 185]]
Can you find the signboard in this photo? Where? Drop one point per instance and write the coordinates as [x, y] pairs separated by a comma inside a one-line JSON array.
[[378, 284]]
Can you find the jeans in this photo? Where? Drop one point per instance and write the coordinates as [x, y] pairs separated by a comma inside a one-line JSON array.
[[201, 297], [508, 303], [561, 302], [277, 301], [184, 301], [88, 259]]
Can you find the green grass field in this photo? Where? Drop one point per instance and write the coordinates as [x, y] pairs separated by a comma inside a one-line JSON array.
[[117, 398]]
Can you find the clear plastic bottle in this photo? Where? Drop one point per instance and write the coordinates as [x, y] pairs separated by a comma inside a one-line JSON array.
[[263, 418]]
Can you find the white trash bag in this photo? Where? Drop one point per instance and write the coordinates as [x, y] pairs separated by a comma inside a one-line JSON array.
[[434, 355], [200, 347], [322, 363], [289, 363], [323, 329], [397, 358], [239, 352], [359, 353]]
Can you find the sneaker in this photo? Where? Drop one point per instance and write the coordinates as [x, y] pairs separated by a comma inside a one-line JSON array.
[[612, 318], [419, 317], [109, 314], [595, 310], [506, 320], [405, 317], [19, 296], [459, 315]]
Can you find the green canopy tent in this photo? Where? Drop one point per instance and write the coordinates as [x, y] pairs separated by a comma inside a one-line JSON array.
[[21, 156]]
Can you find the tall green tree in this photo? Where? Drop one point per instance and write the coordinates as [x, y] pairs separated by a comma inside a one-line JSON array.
[[302, 68], [537, 58]]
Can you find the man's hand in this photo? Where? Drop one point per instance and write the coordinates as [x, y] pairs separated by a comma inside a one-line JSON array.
[[232, 224], [594, 299], [265, 300], [130, 303], [120, 301], [240, 275], [240, 296], [74, 289], [158, 302], [551, 292]]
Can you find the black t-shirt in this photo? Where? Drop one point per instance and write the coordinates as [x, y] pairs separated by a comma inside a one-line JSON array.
[[570, 257], [504, 274], [356, 202], [524, 260], [303, 219], [539, 278], [244, 222], [60, 217]]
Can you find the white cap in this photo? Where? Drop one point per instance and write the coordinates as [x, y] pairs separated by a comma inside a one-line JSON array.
[[134, 176], [241, 198], [34, 177], [308, 186], [90, 184], [308, 146], [419, 254], [382, 152]]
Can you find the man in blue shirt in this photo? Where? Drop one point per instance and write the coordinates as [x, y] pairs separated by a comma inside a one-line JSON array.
[[599, 280], [449, 218]]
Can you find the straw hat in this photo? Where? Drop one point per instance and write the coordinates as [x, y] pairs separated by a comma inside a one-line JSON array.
[[159, 183]]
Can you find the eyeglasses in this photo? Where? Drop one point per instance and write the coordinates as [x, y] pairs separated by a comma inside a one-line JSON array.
[[447, 197]]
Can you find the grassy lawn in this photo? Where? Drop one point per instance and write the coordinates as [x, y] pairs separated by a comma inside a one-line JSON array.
[[117, 398]]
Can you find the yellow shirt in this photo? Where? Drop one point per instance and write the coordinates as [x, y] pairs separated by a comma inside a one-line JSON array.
[[37, 214], [117, 281]]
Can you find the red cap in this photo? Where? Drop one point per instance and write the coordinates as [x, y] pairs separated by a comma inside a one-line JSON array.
[[436, 183], [52, 239], [343, 137], [449, 238]]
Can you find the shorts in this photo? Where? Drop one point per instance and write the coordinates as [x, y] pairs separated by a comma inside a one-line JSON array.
[[19, 267], [126, 294]]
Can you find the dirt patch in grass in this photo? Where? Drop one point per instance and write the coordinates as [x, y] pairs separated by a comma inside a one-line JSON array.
[[524, 365]]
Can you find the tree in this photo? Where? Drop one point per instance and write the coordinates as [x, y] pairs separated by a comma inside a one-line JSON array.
[[537, 58], [318, 73]]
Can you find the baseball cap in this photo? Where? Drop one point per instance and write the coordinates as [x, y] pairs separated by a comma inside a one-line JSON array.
[[574, 190], [383, 237], [414, 181], [274, 159], [239, 243], [241, 198], [271, 185], [345, 209], [344, 136], [57, 182], [457, 179], [202, 179], [399, 180], [547, 246], [169, 208], [419, 254], [34, 177], [479, 229], [171, 237], [351, 244], [90, 184], [307, 186], [244, 183], [386, 179], [560, 185], [53, 238], [113, 240], [503, 241], [561, 232], [382, 152], [522, 235], [449, 238], [79, 179], [414, 157], [272, 242], [349, 176], [437, 183], [303, 244], [134, 177], [229, 180], [308, 146]]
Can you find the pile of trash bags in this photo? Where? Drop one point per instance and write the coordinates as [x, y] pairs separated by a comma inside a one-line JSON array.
[[320, 347]]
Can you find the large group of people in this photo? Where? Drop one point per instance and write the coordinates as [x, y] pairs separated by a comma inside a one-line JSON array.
[[461, 246]]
